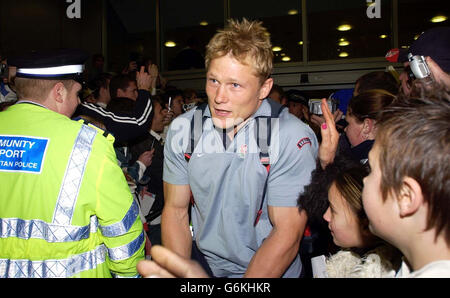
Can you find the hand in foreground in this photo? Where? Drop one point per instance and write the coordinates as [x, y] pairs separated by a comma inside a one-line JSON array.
[[167, 264], [330, 137]]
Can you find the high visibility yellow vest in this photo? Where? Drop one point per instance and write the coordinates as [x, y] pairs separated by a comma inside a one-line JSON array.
[[65, 207]]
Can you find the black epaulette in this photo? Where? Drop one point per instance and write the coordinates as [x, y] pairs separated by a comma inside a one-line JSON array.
[[104, 133]]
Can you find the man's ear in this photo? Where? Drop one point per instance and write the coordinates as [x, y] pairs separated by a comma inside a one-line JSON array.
[[410, 198], [59, 92], [265, 88]]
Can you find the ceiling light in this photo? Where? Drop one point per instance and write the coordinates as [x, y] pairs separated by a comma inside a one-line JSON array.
[[300, 42], [383, 36], [343, 54], [439, 19], [292, 12], [286, 58], [344, 27], [170, 44], [204, 23], [344, 43], [276, 49]]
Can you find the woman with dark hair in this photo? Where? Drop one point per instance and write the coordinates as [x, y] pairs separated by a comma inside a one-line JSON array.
[[335, 195], [360, 132]]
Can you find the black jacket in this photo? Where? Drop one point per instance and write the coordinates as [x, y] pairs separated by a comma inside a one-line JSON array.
[[124, 126]]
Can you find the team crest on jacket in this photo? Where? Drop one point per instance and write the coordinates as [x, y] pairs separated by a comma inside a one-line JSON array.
[[303, 142], [243, 151]]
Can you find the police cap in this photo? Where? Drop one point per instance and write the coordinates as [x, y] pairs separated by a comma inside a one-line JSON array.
[[297, 96], [62, 64]]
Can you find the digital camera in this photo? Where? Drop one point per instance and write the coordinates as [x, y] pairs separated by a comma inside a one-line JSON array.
[[419, 66], [315, 106]]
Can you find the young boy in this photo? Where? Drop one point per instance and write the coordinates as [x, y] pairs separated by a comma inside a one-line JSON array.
[[407, 194]]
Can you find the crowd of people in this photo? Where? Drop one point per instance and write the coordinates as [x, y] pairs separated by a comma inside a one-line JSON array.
[[124, 175]]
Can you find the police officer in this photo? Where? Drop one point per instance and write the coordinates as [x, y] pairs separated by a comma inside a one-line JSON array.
[[65, 206]]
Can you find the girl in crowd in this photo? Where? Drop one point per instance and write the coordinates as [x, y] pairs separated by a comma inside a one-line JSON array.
[[340, 204]]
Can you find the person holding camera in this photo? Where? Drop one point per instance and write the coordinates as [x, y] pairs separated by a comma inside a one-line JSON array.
[[359, 134], [298, 104], [429, 60]]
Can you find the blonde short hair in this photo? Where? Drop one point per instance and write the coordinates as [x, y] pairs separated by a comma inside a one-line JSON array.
[[37, 89], [248, 42]]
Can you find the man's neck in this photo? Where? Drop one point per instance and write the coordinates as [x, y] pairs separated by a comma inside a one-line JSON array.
[[232, 132], [426, 249], [36, 102]]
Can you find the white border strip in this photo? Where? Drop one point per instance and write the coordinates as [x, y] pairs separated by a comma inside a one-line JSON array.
[[60, 70]]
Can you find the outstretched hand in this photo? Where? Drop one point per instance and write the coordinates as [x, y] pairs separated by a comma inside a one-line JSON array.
[[330, 136], [167, 264]]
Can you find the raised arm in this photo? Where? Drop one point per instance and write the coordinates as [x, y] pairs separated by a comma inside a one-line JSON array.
[[126, 126], [330, 137]]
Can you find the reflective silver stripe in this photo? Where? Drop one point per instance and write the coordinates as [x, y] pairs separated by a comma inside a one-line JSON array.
[[74, 176], [58, 70], [120, 276], [53, 268], [38, 229], [126, 251], [123, 226]]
